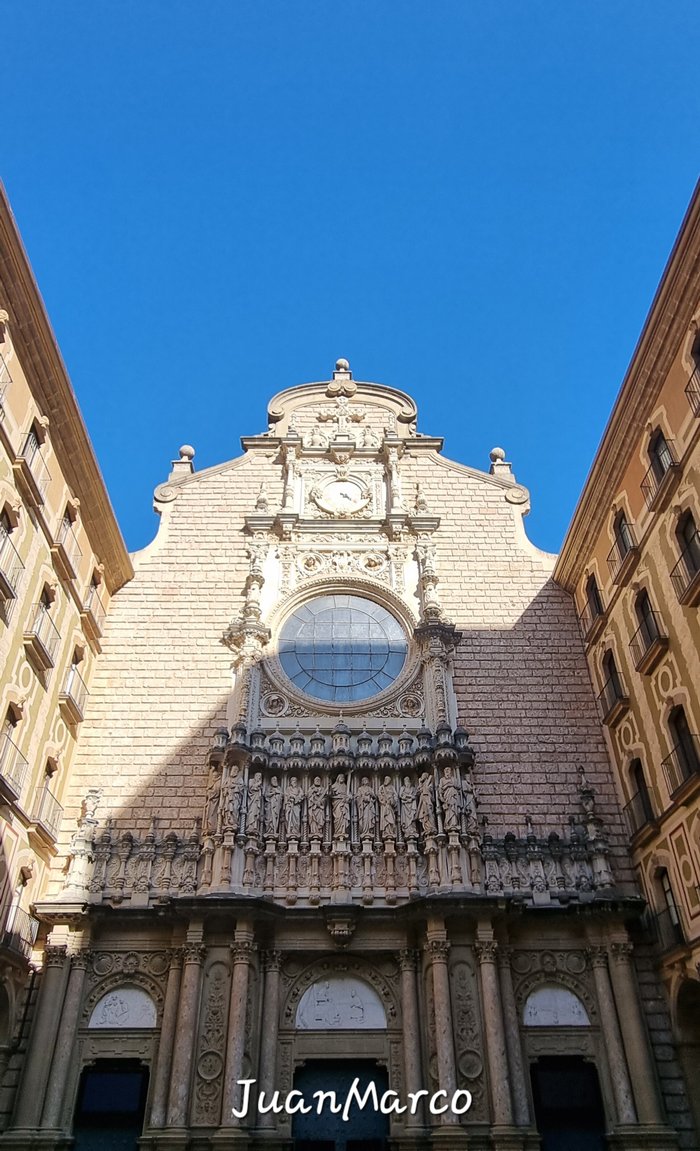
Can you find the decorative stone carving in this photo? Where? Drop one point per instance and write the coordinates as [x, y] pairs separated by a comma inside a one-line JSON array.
[[341, 808], [128, 1008], [316, 807], [554, 1006], [426, 806], [340, 1003], [388, 809], [211, 1045], [366, 809]]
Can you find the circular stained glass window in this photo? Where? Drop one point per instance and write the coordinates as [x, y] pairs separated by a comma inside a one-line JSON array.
[[342, 648]]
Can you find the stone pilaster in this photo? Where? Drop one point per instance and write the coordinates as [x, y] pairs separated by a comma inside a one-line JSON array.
[[619, 1074], [411, 1030], [499, 1077], [438, 948], [180, 1078], [164, 1058], [48, 1015], [242, 951]]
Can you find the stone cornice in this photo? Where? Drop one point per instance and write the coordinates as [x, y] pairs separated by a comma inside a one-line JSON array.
[[665, 328], [46, 373]]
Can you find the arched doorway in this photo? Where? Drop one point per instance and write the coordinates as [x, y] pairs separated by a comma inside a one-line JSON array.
[[568, 1104], [111, 1106], [364, 1130]]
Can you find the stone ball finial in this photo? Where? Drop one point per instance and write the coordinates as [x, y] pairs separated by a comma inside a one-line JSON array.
[[186, 452], [496, 455], [342, 366]]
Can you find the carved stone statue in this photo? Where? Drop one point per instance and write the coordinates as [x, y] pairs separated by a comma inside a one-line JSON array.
[[426, 805], [366, 809], [316, 807], [233, 799], [273, 808], [292, 808], [469, 797], [252, 824], [388, 807], [450, 800], [211, 807], [341, 808], [409, 803]]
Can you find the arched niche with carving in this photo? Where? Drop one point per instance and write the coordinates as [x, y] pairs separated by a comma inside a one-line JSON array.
[[340, 1003], [124, 1009], [554, 1006]]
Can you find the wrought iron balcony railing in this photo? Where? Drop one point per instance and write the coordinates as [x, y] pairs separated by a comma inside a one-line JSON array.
[[590, 621], [74, 694], [19, 932], [613, 700], [682, 764], [66, 550], [638, 812], [649, 642], [48, 812], [34, 468], [95, 607], [13, 767], [685, 576], [42, 637], [668, 929], [692, 391], [623, 554], [661, 477], [11, 566], [5, 381]]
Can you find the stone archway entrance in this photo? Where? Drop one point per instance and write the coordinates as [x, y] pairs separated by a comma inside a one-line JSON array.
[[568, 1105], [364, 1130]]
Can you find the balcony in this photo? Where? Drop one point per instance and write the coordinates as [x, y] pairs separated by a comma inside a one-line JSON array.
[[11, 566], [31, 471], [649, 643], [612, 701], [5, 381], [638, 812], [41, 638], [623, 555], [692, 391], [66, 551], [93, 614], [47, 814], [668, 929], [661, 479], [72, 698], [13, 768], [685, 576], [591, 623], [682, 764], [19, 932]]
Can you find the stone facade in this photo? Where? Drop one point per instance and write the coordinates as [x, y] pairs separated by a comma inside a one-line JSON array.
[[632, 559]]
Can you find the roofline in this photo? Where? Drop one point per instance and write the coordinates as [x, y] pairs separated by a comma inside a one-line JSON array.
[[34, 339], [667, 322]]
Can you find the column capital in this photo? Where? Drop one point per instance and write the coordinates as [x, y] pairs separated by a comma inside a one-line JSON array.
[[597, 955], [408, 959], [174, 956], [621, 953], [243, 950], [193, 953], [504, 954], [271, 958], [438, 950], [486, 950], [55, 955], [82, 959]]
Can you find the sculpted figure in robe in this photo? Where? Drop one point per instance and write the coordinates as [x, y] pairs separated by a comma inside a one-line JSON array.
[[426, 805], [388, 807], [211, 809], [366, 813], [292, 808], [341, 808], [450, 800], [252, 824], [409, 805], [273, 808], [233, 799], [316, 807]]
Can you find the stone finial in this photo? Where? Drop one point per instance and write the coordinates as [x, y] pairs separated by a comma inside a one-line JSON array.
[[183, 466], [342, 366], [186, 452], [499, 465]]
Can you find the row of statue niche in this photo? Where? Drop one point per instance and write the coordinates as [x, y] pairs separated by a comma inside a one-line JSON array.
[[253, 808]]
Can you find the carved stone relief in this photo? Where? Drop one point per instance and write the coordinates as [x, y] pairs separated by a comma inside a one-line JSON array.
[[124, 1008], [211, 1044], [340, 1003]]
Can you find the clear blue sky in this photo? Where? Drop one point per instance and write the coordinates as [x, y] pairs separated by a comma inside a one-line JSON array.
[[471, 200]]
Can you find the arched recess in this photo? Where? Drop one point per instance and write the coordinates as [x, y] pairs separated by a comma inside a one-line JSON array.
[[124, 1008], [364, 973], [552, 1005], [340, 1002]]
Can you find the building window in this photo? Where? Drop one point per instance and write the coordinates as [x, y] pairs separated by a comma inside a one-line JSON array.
[[685, 743], [593, 600], [624, 549], [612, 676], [11, 566], [669, 926], [660, 454], [592, 609], [639, 810], [624, 537]]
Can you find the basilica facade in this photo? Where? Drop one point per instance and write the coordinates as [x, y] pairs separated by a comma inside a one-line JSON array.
[[341, 812]]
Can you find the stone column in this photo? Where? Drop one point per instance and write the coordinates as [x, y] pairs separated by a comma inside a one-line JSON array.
[[43, 1037], [411, 1029], [438, 949], [181, 1068], [242, 949], [634, 1036], [164, 1058], [619, 1074], [270, 1024], [486, 950], [64, 1054], [521, 1108]]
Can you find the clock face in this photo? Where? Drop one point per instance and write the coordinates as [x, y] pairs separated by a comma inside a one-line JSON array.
[[344, 496]]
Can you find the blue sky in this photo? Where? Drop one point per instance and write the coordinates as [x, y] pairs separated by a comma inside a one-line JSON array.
[[471, 200]]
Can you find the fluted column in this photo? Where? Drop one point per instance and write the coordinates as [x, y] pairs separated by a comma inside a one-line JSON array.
[[634, 1036], [619, 1074], [43, 1037], [411, 1029], [164, 1058], [270, 1024], [438, 950], [63, 1055], [521, 1108], [242, 951], [179, 1095], [499, 1079]]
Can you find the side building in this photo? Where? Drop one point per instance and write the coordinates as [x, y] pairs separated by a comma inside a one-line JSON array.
[[631, 558], [61, 559]]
